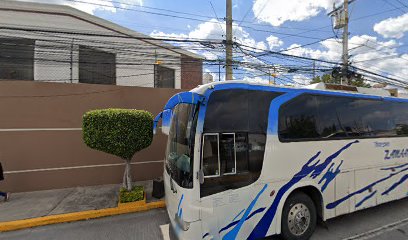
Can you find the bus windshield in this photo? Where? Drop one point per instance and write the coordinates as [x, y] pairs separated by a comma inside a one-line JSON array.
[[180, 145]]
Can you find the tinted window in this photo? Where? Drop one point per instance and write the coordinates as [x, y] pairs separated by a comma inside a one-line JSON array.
[[238, 110], [239, 120], [298, 118], [326, 117], [350, 117], [400, 117]]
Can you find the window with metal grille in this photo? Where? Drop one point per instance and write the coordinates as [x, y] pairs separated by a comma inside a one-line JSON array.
[[164, 77], [17, 59], [96, 66]]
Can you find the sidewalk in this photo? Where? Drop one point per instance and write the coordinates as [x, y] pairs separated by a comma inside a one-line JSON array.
[[39, 204]]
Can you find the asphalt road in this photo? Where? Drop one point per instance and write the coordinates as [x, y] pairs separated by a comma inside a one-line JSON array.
[[385, 222]]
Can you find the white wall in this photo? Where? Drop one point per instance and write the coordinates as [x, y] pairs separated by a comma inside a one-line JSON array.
[[135, 58]]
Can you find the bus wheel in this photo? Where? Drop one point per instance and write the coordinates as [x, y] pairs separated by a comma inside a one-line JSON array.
[[298, 217]]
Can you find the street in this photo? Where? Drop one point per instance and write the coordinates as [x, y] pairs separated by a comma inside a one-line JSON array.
[[388, 221]]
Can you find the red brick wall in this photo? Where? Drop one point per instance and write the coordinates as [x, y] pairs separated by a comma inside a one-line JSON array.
[[191, 72]]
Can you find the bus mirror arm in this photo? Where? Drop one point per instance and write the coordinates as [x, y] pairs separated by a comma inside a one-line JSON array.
[[200, 176]]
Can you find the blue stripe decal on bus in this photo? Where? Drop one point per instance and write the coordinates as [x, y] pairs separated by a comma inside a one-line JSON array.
[[231, 235], [239, 214], [233, 85], [205, 235], [183, 97], [274, 111], [365, 199], [396, 167], [179, 209], [402, 180], [330, 175], [259, 210], [315, 169], [366, 188]]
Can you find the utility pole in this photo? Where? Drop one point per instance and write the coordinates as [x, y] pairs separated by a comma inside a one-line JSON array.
[[341, 17], [228, 43], [274, 75], [345, 42], [314, 69], [219, 70], [71, 66]]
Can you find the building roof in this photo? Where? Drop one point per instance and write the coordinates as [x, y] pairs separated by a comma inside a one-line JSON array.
[[46, 8]]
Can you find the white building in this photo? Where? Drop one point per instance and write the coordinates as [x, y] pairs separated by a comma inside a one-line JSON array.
[[45, 42]]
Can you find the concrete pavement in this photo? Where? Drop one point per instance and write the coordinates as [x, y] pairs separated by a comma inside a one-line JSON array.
[[29, 205], [385, 222], [150, 225], [51, 202]]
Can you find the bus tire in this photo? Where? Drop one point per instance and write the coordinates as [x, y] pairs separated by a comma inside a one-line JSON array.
[[298, 217]]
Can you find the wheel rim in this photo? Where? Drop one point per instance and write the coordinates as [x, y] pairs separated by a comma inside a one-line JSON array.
[[299, 219]]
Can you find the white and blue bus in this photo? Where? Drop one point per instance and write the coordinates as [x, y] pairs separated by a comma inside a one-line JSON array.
[[247, 161]]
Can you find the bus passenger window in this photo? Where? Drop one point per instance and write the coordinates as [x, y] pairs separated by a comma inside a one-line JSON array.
[[211, 159], [256, 152], [241, 145]]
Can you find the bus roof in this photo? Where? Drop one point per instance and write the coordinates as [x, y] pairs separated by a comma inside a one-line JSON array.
[[332, 89]]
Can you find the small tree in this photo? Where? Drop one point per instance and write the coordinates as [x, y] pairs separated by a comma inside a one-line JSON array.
[[121, 132], [358, 81]]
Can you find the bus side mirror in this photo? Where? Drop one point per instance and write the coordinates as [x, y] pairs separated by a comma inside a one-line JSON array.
[[200, 176]]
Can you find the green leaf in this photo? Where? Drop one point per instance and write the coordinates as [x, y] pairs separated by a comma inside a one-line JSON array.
[[121, 132]]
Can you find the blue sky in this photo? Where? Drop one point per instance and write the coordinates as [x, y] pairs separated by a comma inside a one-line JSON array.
[[378, 28]]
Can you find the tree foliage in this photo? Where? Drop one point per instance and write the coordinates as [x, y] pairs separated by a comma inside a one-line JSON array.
[[327, 78], [121, 132]]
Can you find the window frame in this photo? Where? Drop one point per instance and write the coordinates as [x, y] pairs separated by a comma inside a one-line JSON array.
[[202, 154], [283, 140]]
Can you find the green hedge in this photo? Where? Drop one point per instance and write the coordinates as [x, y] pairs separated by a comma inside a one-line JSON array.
[[136, 194], [121, 132]]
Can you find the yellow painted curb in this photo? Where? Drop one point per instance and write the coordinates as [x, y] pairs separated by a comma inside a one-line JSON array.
[[78, 216]]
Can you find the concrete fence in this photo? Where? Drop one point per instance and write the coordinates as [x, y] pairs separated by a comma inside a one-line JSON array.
[[41, 144]]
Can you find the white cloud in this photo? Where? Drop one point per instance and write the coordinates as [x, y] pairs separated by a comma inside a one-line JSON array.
[[274, 42], [214, 29], [366, 52], [393, 27], [256, 79], [300, 80], [104, 5], [126, 3], [276, 12]]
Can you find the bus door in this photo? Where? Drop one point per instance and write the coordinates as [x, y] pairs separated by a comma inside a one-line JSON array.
[[227, 190]]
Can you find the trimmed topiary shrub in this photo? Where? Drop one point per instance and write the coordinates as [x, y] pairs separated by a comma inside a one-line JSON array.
[[121, 132]]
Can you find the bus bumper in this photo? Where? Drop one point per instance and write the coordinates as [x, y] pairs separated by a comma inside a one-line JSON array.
[[177, 233]]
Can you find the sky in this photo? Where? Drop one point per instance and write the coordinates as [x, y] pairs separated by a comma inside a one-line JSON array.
[[378, 28]]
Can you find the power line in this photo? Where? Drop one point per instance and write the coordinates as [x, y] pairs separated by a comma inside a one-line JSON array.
[[391, 4]]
